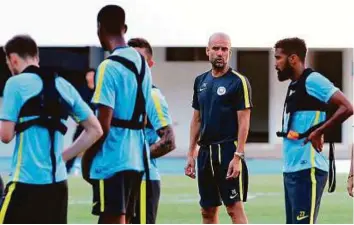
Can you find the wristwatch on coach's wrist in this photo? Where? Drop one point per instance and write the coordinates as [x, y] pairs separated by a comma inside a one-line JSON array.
[[241, 155]]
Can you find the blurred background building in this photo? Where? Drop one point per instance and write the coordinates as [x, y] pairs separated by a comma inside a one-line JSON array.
[[68, 43]]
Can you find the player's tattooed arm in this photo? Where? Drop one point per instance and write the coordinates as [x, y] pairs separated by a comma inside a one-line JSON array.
[[166, 143]]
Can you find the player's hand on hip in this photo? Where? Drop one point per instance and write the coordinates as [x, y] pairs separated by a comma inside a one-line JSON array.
[[350, 186], [234, 168], [316, 139], [189, 170]]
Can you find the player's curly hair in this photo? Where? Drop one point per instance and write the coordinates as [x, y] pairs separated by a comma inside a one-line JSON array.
[[293, 45]]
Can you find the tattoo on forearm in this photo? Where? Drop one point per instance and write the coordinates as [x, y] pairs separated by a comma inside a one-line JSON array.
[[166, 143]]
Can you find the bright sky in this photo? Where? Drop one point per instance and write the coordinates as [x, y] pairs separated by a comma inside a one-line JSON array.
[[250, 23]]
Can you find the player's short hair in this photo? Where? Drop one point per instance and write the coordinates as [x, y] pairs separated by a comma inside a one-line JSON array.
[[293, 46], [140, 43], [90, 70], [23, 45], [112, 19]]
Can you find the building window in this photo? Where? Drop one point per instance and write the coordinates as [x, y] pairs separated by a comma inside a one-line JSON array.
[[255, 66], [185, 54], [330, 65], [70, 63], [4, 71]]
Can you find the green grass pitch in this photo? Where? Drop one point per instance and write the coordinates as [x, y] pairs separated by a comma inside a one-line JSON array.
[[179, 202]]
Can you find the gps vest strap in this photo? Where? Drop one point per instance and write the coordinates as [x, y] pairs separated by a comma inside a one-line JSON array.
[[48, 107], [137, 120]]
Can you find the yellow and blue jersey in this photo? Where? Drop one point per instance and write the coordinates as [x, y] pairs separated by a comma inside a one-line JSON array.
[[116, 87], [159, 118], [296, 155], [31, 160]]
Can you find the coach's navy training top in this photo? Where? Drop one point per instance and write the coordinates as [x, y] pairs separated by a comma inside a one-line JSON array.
[[218, 99]]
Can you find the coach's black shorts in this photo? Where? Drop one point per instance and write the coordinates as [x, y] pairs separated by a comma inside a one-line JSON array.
[[303, 193], [213, 162], [31, 203], [116, 195], [148, 202]]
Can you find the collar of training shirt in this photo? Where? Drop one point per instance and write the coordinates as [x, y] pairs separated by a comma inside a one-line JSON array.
[[119, 47], [216, 77], [31, 69]]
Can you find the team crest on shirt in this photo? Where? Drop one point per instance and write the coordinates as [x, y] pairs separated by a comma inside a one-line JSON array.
[[221, 90]]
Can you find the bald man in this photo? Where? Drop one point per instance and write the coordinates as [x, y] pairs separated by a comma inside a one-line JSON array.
[[220, 123]]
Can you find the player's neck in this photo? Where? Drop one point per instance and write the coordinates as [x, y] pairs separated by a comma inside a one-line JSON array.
[[215, 72], [28, 63], [116, 42], [298, 71]]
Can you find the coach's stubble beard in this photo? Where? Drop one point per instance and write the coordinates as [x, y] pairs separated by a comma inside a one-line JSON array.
[[218, 64]]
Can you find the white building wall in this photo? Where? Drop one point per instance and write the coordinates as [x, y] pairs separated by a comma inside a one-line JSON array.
[[176, 79], [277, 92], [347, 130]]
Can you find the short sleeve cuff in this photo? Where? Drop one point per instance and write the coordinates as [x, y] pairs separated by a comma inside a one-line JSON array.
[[8, 118], [105, 103], [330, 94], [195, 106], [82, 117]]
